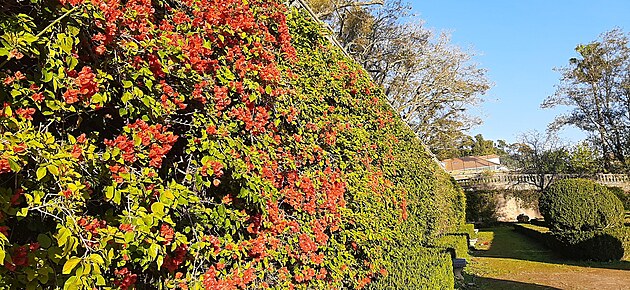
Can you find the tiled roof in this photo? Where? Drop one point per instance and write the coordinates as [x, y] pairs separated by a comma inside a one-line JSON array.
[[469, 162]]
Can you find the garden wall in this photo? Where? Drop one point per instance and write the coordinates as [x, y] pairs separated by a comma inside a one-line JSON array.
[[487, 206]]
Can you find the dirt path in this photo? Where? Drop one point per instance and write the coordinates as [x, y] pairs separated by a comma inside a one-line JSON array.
[[509, 260]]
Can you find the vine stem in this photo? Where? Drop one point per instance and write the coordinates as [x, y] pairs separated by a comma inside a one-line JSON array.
[[46, 29]]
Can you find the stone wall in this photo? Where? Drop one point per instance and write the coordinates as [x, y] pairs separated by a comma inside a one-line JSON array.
[[509, 207]]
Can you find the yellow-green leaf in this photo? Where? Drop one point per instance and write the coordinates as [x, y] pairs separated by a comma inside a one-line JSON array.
[[41, 173], [53, 169], [70, 264]]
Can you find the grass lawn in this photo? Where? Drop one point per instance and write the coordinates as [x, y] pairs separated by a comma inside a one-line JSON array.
[[505, 259]]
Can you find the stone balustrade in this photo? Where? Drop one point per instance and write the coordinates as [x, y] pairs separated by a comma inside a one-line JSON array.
[[530, 181]]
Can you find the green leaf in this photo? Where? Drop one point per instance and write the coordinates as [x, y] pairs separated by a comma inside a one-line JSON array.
[[65, 42], [97, 259], [14, 166], [22, 212], [153, 251], [53, 169], [158, 208], [41, 173], [44, 241], [109, 192], [100, 281], [62, 236], [70, 264], [160, 261], [29, 38], [71, 283]]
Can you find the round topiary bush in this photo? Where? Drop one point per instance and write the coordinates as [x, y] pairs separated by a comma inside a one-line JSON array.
[[600, 245], [580, 205]]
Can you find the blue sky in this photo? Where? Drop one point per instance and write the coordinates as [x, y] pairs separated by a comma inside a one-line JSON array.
[[520, 42]]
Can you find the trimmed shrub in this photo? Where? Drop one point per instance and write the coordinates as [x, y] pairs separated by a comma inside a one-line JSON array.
[[604, 245], [622, 195], [481, 206], [205, 144], [417, 268], [470, 230], [580, 205]]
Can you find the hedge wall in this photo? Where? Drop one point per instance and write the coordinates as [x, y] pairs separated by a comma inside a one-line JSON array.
[[205, 144]]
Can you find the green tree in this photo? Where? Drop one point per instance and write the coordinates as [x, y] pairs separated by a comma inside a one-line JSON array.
[[584, 160], [596, 84], [430, 82]]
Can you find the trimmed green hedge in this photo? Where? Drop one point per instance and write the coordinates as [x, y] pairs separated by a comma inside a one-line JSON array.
[[602, 245], [417, 268], [206, 144], [622, 195], [580, 205]]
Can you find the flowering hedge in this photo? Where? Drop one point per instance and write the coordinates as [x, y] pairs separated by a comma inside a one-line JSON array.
[[195, 144]]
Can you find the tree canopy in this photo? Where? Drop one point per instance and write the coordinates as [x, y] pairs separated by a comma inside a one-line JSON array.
[[430, 82], [596, 86]]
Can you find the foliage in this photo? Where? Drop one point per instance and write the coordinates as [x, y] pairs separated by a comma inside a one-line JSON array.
[[543, 155], [580, 205], [430, 82], [622, 195], [469, 229], [595, 86], [204, 144], [417, 268], [481, 206], [469, 146], [599, 245], [584, 160], [585, 219]]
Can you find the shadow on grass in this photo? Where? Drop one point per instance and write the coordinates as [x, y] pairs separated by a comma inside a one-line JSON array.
[[507, 243], [494, 284]]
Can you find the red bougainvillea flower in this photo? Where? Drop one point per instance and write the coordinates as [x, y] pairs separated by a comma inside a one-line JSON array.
[[25, 113], [37, 97], [172, 261], [71, 96], [126, 227], [125, 279], [167, 232], [19, 76], [4, 166], [4, 230]]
